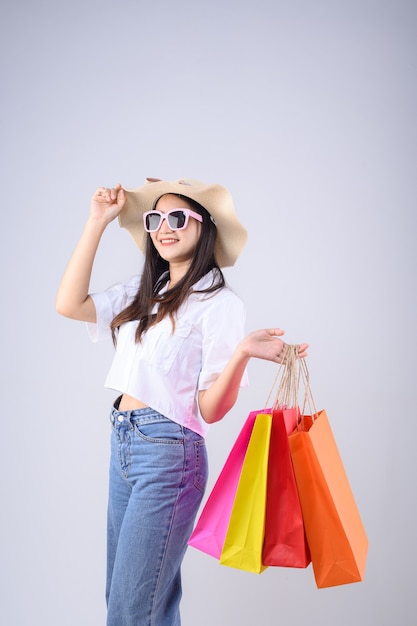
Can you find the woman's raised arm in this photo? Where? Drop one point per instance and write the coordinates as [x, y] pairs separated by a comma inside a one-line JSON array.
[[72, 299]]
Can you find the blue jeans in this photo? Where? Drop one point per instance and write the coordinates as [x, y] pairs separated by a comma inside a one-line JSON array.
[[158, 473]]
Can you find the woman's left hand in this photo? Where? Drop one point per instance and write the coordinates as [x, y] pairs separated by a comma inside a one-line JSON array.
[[220, 397], [266, 344]]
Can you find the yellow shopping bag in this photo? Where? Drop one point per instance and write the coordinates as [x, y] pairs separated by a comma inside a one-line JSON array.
[[244, 540]]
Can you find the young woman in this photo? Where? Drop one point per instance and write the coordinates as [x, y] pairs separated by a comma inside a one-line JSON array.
[[180, 358]]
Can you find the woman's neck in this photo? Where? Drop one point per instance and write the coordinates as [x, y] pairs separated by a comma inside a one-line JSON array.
[[176, 273]]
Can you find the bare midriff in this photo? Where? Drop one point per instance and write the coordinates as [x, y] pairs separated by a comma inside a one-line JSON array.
[[128, 403]]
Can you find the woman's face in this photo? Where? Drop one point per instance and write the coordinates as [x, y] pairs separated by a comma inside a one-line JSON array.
[[176, 246]]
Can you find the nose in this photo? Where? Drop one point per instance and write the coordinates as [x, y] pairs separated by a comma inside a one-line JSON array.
[[164, 225]]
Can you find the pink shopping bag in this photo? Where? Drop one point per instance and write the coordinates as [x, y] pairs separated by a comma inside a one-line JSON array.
[[211, 528]]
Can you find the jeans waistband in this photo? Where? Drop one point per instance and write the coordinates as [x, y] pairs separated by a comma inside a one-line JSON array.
[[137, 416]]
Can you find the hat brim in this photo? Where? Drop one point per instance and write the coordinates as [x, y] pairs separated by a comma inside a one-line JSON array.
[[216, 199]]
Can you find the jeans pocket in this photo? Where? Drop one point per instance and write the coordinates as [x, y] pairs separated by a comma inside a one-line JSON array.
[[160, 432], [201, 465]]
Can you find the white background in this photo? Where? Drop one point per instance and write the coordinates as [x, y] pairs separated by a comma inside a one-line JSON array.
[[306, 111]]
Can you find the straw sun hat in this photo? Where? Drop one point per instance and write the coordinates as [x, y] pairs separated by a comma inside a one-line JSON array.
[[231, 235]]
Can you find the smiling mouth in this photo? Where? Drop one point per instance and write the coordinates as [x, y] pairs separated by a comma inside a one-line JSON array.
[[168, 240]]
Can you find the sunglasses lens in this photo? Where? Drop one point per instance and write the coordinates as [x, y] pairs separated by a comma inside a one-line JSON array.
[[153, 221], [176, 219]]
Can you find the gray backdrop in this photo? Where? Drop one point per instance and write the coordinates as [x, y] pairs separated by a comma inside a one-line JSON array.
[[306, 110]]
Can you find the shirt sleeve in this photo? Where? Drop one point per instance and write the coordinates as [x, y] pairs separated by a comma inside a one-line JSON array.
[[223, 328], [108, 304]]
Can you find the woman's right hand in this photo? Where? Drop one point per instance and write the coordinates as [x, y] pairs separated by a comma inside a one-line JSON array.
[[107, 203], [73, 298]]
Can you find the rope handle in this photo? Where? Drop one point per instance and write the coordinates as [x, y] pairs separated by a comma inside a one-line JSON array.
[[292, 383]]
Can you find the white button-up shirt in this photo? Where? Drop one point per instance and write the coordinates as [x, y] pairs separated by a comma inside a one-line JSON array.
[[167, 369]]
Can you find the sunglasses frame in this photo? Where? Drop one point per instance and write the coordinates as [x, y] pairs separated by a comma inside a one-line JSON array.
[[165, 216]]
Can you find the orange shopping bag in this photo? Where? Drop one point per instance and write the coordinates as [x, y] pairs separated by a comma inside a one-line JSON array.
[[334, 529]]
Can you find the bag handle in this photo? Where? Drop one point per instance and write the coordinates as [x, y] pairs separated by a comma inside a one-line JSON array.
[[293, 375], [308, 394], [286, 381]]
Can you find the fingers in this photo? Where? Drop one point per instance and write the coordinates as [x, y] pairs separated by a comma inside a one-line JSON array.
[[107, 203], [121, 198], [302, 350], [275, 332], [281, 355], [109, 194]]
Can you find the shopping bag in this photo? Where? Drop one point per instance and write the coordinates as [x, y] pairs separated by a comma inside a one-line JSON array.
[[244, 539], [285, 541], [334, 529], [211, 527]]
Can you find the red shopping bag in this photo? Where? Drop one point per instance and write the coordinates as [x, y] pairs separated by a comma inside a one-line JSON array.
[[285, 541]]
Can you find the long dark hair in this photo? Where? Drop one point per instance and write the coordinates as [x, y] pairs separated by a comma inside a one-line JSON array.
[[155, 276]]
